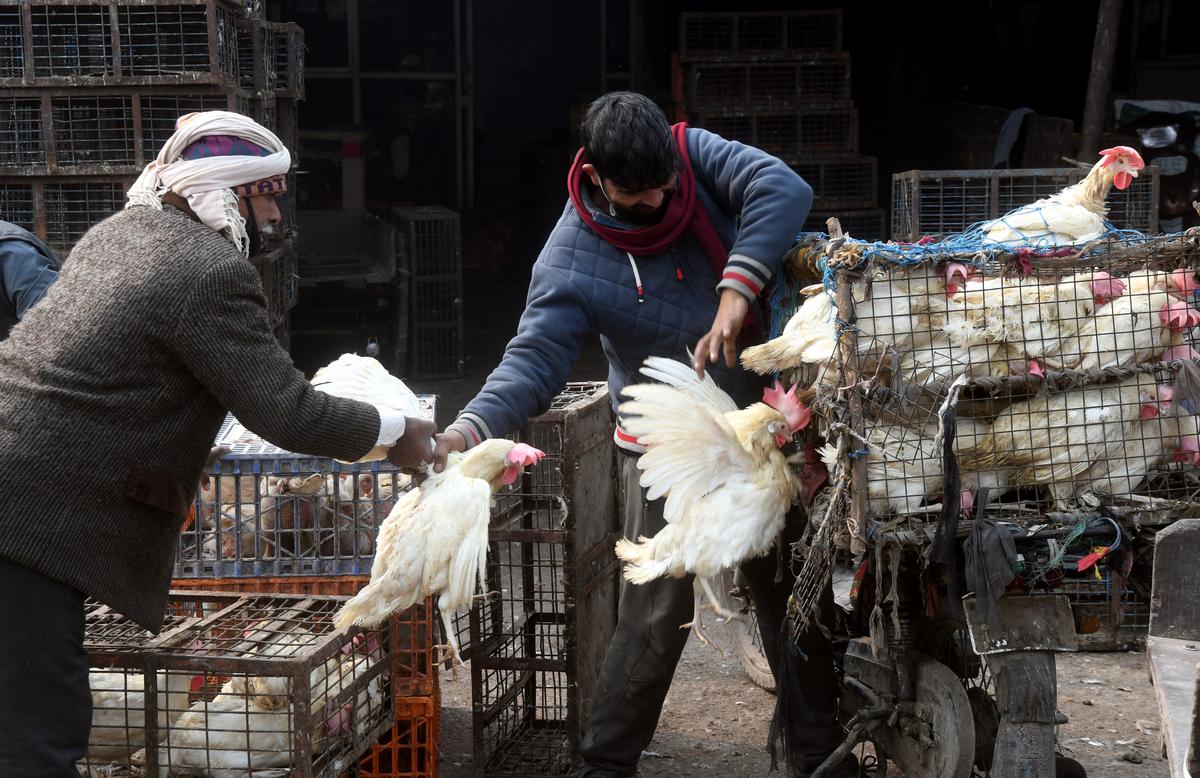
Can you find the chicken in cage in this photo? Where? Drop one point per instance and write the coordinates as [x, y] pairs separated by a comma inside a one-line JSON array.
[[1063, 377], [240, 684]]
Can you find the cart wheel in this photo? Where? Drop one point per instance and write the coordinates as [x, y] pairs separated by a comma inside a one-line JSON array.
[[1066, 767]]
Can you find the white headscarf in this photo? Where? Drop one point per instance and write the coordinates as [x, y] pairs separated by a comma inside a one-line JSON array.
[[206, 183]]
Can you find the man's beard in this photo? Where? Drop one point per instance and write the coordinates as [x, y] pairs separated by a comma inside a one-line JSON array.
[[645, 217], [258, 235]]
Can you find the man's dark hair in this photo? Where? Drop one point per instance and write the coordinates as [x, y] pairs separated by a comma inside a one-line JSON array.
[[627, 137]]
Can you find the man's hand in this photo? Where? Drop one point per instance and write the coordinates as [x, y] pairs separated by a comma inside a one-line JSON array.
[[450, 440], [722, 338], [415, 447]]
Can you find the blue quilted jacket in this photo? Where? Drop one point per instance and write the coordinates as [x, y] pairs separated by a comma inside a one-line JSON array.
[[581, 284]]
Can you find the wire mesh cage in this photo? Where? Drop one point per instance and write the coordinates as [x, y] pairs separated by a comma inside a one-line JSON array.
[[536, 646], [100, 131], [61, 210], [750, 36], [237, 683], [842, 181], [943, 202], [793, 136], [1064, 381], [269, 512], [817, 80], [865, 223], [110, 42], [429, 248]]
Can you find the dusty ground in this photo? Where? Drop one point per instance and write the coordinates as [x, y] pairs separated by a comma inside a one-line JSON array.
[[715, 721]]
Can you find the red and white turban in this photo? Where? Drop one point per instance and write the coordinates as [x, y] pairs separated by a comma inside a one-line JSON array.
[[213, 157]]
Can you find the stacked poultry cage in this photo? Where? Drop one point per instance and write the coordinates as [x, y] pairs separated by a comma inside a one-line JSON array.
[[90, 90], [270, 521], [537, 643], [235, 685], [781, 82], [1007, 376]]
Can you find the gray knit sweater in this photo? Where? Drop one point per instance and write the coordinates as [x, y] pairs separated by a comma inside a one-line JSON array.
[[112, 389]]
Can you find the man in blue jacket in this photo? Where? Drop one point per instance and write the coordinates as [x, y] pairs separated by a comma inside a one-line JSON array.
[[667, 242], [27, 268]]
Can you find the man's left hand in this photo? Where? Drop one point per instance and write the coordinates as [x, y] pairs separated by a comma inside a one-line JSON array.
[[722, 338]]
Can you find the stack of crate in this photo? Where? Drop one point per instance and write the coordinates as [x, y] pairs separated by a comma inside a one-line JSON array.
[[90, 91], [536, 647], [781, 82], [274, 522]]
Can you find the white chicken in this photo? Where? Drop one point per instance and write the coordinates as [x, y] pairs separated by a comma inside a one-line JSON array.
[[352, 377], [434, 542], [1052, 438], [251, 724], [1133, 328], [119, 712], [905, 310], [727, 484], [1160, 434], [1033, 317], [1074, 215]]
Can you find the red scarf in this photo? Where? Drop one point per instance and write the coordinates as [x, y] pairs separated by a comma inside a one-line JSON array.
[[684, 212]]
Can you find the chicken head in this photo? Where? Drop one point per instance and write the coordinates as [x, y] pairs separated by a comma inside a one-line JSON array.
[[953, 271], [1179, 316], [1184, 281], [521, 456], [1124, 162], [1189, 450], [795, 415], [1105, 288]]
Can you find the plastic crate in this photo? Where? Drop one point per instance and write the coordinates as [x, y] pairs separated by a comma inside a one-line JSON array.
[[536, 650], [322, 701], [429, 248], [102, 131], [944, 202], [269, 512], [868, 224], [410, 749], [841, 182], [793, 136], [111, 42], [750, 36], [763, 86]]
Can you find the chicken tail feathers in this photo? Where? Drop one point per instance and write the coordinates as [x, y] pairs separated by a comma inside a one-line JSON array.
[[640, 565], [368, 608]]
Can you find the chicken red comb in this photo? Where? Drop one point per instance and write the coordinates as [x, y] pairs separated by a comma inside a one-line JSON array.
[[1185, 281], [1111, 155], [1105, 288], [794, 412], [1178, 315], [525, 455]]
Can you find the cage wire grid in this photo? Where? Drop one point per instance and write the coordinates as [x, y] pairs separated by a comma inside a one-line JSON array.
[[246, 682], [742, 36], [1064, 376], [269, 512]]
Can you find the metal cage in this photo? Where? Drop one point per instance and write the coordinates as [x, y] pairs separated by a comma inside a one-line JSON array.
[[429, 248], [793, 136], [755, 36], [236, 682], [536, 649], [944, 202]]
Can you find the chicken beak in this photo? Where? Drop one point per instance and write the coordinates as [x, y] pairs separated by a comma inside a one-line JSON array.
[[1149, 411]]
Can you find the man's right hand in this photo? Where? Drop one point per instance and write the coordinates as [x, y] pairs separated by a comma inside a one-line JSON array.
[[414, 449], [450, 440]]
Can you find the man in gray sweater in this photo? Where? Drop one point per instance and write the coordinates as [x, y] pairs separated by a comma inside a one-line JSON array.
[[111, 391]]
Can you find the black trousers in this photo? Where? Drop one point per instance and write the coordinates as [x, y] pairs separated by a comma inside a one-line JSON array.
[[45, 702], [646, 646]]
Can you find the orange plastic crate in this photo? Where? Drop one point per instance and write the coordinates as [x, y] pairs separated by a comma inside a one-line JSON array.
[[410, 750]]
